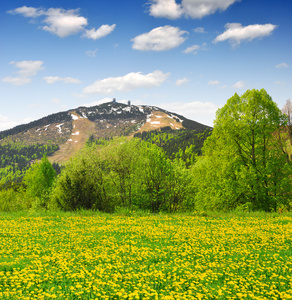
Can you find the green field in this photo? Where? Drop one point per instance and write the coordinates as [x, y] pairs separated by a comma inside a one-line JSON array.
[[89, 255]]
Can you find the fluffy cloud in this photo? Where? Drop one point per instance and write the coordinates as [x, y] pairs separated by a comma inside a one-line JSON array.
[[28, 69], [181, 81], [194, 49], [201, 8], [159, 39], [239, 84], [189, 8], [59, 21], [203, 112], [236, 33], [29, 12], [128, 82], [100, 32], [62, 22], [166, 9], [282, 65], [53, 79]]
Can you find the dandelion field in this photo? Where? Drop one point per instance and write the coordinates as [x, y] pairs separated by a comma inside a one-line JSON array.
[[101, 256]]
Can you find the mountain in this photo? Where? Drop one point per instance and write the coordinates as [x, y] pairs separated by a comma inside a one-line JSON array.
[[66, 132]]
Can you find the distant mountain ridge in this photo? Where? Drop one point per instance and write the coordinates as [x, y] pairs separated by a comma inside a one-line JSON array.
[[70, 130]]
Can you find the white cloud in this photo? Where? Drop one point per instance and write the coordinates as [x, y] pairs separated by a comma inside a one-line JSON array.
[[213, 82], [166, 9], [194, 49], [200, 30], [91, 53], [29, 12], [182, 81], [282, 65], [236, 33], [200, 8], [53, 79], [127, 82], [159, 39], [203, 112], [16, 80], [64, 22], [239, 84], [6, 123], [28, 69], [100, 32], [60, 22], [189, 8]]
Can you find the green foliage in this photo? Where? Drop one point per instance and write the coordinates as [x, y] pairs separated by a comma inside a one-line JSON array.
[[15, 158], [12, 200], [82, 184], [185, 144], [245, 166], [39, 179], [245, 159], [122, 173]]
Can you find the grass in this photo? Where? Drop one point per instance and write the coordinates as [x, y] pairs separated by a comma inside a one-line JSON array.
[[90, 255]]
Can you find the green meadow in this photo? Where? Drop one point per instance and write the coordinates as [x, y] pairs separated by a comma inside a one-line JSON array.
[[92, 255]]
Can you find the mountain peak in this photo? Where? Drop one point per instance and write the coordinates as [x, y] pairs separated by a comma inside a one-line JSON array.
[[71, 129]]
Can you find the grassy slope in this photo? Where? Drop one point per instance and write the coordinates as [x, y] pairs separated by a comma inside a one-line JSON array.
[[82, 126]]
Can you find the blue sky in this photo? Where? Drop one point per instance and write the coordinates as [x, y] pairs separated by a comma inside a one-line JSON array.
[[186, 56]]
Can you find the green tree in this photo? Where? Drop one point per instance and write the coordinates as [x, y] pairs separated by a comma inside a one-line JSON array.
[[245, 161], [122, 162], [83, 184], [155, 171], [38, 180]]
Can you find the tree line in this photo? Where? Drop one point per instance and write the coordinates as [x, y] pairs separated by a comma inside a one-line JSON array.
[[245, 164], [15, 158]]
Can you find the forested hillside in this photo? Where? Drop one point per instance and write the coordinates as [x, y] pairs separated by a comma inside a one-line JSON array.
[[244, 163], [185, 143], [63, 134], [15, 158], [51, 119]]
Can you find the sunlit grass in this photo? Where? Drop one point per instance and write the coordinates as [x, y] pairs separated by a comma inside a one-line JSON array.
[[89, 255]]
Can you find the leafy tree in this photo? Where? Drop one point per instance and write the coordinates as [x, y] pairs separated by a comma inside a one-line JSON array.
[[124, 173], [122, 159], [39, 180], [165, 185], [155, 171], [245, 162], [83, 184]]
